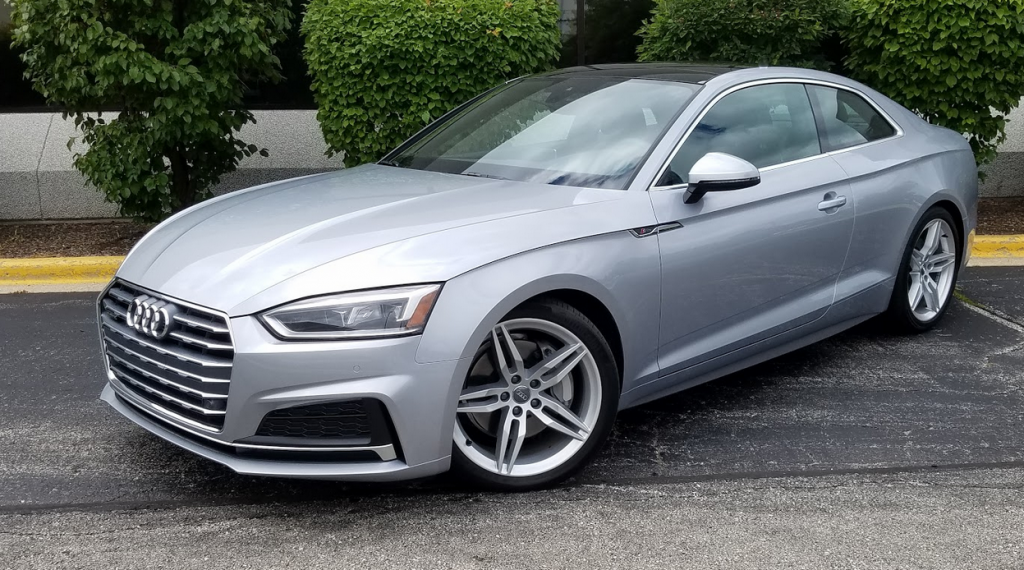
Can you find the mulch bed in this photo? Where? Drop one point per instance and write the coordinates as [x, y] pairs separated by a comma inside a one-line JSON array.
[[66, 239], [69, 239], [1001, 216]]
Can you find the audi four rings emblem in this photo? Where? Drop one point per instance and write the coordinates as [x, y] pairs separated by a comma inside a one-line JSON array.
[[151, 316]]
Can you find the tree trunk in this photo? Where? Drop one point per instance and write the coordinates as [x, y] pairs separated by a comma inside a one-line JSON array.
[[181, 182]]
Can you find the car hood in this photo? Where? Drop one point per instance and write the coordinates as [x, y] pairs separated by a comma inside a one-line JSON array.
[[252, 249]]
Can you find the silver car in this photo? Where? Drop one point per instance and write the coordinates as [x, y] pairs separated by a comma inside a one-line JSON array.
[[562, 247]]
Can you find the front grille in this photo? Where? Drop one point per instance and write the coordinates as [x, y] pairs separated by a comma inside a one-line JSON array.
[[185, 374], [342, 420]]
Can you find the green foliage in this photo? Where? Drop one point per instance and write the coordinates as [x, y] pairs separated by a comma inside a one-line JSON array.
[[773, 32], [382, 69], [177, 69], [959, 63]]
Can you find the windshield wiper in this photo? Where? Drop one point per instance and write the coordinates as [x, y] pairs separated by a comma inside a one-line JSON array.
[[390, 163], [482, 175]]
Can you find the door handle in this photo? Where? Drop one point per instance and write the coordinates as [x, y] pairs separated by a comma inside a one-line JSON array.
[[831, 202]]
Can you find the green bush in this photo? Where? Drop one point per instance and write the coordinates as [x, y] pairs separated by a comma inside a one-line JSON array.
[[382, 69], [959, 63], [176, 69], [773, 32]]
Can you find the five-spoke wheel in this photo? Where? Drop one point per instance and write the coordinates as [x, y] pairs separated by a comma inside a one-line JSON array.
[[539, 398], [928, 275], [932, 267]]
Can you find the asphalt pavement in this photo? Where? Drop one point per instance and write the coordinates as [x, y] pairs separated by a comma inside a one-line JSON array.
[[867, 450]]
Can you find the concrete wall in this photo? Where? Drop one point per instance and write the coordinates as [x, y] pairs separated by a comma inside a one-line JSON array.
[[1006, 174], [37, 180]]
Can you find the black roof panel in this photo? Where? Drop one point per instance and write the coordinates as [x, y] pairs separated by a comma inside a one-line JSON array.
[[684, 72]]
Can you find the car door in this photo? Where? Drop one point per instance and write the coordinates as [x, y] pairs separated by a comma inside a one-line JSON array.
[[884, 180], [746, 265]]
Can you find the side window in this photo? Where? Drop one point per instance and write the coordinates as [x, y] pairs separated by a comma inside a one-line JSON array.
[[764, 125], [848, 120]]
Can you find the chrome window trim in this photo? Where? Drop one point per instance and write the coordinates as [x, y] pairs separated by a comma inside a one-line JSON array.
[[898, 130], [156, 412]]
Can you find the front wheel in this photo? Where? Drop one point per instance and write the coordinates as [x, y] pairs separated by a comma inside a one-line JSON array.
[[928, 273], [539, 400]]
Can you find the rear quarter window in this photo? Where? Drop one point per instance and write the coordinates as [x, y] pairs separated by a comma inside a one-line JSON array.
[[848, 119]]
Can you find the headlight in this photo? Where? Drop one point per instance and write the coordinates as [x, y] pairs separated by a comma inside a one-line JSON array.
[[366, 314]]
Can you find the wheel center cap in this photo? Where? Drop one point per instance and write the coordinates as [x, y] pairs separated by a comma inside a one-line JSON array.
[[521, 394]]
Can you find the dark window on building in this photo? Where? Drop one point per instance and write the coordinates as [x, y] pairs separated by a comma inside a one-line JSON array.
[[609, 30]]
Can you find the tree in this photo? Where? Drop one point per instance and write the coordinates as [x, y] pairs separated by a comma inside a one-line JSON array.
[[772, 32], [958, 63], [382, 69], [176, 70]]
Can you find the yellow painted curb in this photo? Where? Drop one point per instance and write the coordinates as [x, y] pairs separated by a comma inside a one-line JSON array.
[[58, 270], [998, 247]]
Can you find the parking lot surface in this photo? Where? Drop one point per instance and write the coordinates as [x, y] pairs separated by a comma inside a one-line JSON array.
[[866, 450]]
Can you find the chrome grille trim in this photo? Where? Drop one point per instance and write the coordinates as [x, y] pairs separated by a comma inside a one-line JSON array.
[[128, 379], [120, 294], [131, 335], [201, 324], [171, 383], [115, 308], [184, 376], [163, 366], [185, 337], [156, 410]]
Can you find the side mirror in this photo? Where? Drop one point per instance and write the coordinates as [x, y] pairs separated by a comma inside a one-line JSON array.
[[717, 172]]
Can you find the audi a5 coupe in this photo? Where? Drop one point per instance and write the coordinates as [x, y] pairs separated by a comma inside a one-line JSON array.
[[491, 293]]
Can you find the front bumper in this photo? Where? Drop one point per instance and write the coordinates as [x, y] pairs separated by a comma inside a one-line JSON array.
[[269, 374], [350, 471]]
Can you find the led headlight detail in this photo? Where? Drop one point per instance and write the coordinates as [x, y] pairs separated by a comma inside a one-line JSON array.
[[365, 314]]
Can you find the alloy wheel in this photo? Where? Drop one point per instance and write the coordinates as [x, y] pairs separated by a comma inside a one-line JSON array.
[[932, 270], [531, 399]]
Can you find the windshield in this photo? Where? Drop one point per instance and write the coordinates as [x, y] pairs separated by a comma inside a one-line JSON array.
[[575, 131]]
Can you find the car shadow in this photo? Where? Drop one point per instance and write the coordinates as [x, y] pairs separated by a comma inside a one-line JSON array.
[[686, 415]]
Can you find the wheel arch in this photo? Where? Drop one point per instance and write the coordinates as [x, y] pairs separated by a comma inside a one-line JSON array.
[[584, 293], [958, 219], [948, 201], [595, 310], [614, 279]]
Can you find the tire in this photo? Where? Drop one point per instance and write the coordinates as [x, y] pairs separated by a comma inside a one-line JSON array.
[[942, 268], [551, 446]]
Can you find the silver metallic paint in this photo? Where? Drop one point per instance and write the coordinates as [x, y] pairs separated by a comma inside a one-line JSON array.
[[751, 273]]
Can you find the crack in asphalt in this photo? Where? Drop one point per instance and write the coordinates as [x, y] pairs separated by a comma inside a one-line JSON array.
[[649, 481], [806, 473], [1002, 318], [998, 316]]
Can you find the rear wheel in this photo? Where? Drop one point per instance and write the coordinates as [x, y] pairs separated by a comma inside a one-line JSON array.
[[928, 273], [539, 400]]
